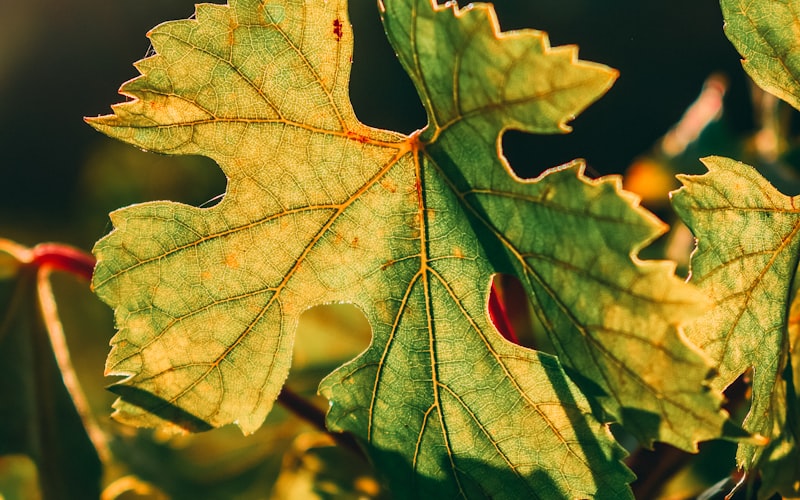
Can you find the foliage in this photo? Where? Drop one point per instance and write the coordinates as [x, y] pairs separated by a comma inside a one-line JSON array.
[[412, 230]]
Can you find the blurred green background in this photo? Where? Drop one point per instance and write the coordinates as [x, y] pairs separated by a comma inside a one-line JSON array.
[[61, 61]]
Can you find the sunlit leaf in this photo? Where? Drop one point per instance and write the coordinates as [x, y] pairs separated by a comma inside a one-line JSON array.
[[323, 209], [746, 256], [19, 478], [761, 30], [780, 465]]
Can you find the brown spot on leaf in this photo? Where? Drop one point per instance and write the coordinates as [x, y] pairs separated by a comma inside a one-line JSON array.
[[357, 137], [389, 185], [337, 29], [457, 253], [231, 261]]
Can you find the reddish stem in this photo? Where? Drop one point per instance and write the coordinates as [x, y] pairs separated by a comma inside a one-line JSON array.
[[497, 311], [64, 258]]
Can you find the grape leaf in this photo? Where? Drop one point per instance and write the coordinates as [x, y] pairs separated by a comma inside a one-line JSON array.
[[321, 209], [746, 256], [771, 52], [622, 346]]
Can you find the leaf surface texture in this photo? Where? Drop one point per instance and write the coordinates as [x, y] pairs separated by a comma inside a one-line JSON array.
[[745, 260], [323, 209], [765, 32]]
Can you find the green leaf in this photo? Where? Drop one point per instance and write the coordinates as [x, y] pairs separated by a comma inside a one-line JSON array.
[[746, 256], [323, 209], [761, 32], [19, 478], [613, 322]]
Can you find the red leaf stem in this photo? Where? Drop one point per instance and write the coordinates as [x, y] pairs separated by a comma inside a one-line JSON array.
[[62, 257]]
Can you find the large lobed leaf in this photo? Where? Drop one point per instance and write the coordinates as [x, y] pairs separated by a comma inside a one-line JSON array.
[[321, 208], [613, 322], [745, 260], [765, 34]]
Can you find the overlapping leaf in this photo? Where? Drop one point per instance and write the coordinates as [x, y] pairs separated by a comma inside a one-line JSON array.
[[761, 31], [320, 208], [746, 256], [612, 322]]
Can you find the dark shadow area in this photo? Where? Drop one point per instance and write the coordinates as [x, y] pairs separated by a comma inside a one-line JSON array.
[[478, 479], [639, 422], [590, 447]]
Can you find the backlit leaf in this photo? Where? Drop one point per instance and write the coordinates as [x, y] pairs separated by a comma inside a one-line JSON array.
[[761, 30], [323, 209], [746, 256], [612, 322], [780, 465]]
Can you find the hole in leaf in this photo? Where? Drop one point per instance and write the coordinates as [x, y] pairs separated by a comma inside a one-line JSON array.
[[738, 395], [327, 336], [511, 314]]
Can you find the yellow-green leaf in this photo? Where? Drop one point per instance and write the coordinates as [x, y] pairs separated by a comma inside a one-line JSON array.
[[746, 256], [613, 322], [323, 209], [780, 464]]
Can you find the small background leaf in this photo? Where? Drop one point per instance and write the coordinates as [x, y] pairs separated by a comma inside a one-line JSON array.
[[746, 255], [771, 52], [780, 465], [316, 469]]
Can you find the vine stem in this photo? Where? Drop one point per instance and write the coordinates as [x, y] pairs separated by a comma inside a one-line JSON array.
[[48, 257], [52, 256], [58, 341], [312, 414], [44, 259]]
